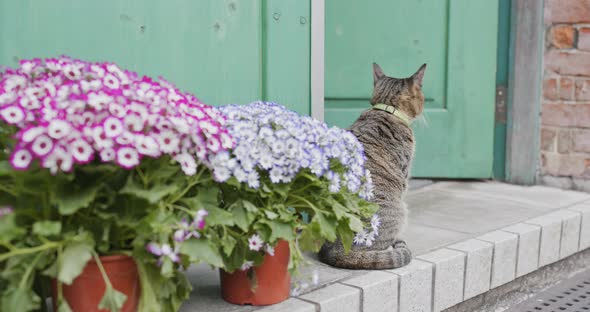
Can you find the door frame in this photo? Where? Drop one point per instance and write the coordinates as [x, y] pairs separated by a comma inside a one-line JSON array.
[[524, 91], [318, 17]]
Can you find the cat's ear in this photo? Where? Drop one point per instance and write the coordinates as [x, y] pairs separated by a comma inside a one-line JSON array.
[[418, 76], [377, 72]]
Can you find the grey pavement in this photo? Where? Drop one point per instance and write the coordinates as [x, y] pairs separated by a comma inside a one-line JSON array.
[[441, 214]]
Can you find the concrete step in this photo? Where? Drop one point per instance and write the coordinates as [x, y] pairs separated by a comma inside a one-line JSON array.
[[468, 238]]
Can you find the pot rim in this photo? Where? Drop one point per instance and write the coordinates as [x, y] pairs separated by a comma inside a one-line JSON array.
[[112, 258]]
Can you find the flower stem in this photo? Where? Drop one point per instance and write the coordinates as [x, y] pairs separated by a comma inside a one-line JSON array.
[[305, 201], [24, 251], [28, 272], [105, 277]]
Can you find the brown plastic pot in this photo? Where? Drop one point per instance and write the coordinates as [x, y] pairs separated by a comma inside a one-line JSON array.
[[87, 290], [272, 277]]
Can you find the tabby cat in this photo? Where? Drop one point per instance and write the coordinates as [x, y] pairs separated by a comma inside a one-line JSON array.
[[388, 140]]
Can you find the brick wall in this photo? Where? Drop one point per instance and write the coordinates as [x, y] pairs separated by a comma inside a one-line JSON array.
[[565, 120]]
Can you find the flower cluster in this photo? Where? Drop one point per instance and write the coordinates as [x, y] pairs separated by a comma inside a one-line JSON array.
[[367, 237], [275, 140], [69, 111], [4, 211]]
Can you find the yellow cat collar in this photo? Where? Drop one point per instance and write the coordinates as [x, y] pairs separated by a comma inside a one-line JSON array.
[[394, 111]]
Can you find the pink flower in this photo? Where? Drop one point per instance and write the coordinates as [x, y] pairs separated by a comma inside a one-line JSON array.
[[127, 157], [42, 145], [12, 114], [58, 129], [82, 151], [21, 159], [113, 127]]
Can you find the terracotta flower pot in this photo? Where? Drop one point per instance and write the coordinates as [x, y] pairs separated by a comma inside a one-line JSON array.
[[272, 277], [87, 290]]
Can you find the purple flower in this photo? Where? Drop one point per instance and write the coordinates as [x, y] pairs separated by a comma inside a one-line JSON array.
[[4, 211]]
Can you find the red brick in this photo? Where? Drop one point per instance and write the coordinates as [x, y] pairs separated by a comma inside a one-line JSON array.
[[548, 139], [550, 89], [581, 140], [567, 11], [583, 90], [584, 39], [566, 115], [564, 141], [568, 63], [562, 36], [566, 89], [565, 164]]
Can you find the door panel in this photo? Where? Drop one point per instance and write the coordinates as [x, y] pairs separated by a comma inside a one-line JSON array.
[[458, 41], [223, 51]]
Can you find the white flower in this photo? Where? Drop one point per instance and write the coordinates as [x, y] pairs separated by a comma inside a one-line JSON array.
[[168, 142], [21, 159], [42, 145], [253, 179], [107, 154], [30, 103], [127, 157], [98, 101], [58, 159], [113, 127], [147, 145], [360, 238], [370, 238], [255, 242], [81, 151], [240, 174], [375, 223], [72, 72], [247, 265], [187, 162], [213, 144], [101, 141], [30, 134], [111, 82], [12, 114], [269, 250], [58, 128]]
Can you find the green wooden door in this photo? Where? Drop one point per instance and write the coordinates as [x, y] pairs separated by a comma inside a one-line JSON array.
[[223, 51], [457, 38]]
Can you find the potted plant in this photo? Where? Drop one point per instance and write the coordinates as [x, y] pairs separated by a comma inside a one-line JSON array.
[[290, 184], [103, 179]]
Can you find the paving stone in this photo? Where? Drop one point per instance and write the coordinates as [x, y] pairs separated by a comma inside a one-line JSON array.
[[336, 298], [291, 305], [462, 211], [529, 237], [478, 266], [415, 293], [550, 238], [584, 209], [380, 290], [422, 238], [570, 232], [449, 272], [504, 256], [535, 197]]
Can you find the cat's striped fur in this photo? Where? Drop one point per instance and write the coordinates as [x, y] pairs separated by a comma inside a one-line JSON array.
[[389, 147]]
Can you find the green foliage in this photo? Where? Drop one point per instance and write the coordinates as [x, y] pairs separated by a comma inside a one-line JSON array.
[[59, 222]]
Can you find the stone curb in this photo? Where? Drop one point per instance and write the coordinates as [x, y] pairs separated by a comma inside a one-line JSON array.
[[447, 276]]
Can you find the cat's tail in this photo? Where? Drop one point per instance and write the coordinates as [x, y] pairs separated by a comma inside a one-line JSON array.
[[394, 257]]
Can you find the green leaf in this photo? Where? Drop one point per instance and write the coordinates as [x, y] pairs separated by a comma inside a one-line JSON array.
[[72, 200], [64, 307], [240, 216], [338, 208], [280, 230], [345, 235], [153, 194], [112, 300], [271, 215], [167, 268], [148, 301], [5, 168], [8, 228], [249, 206], [47, 228], [20, 300], [74, 259], [228, 243], [355, 224], [327, 226], [206, 198], [200, 250], [218, 216]]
